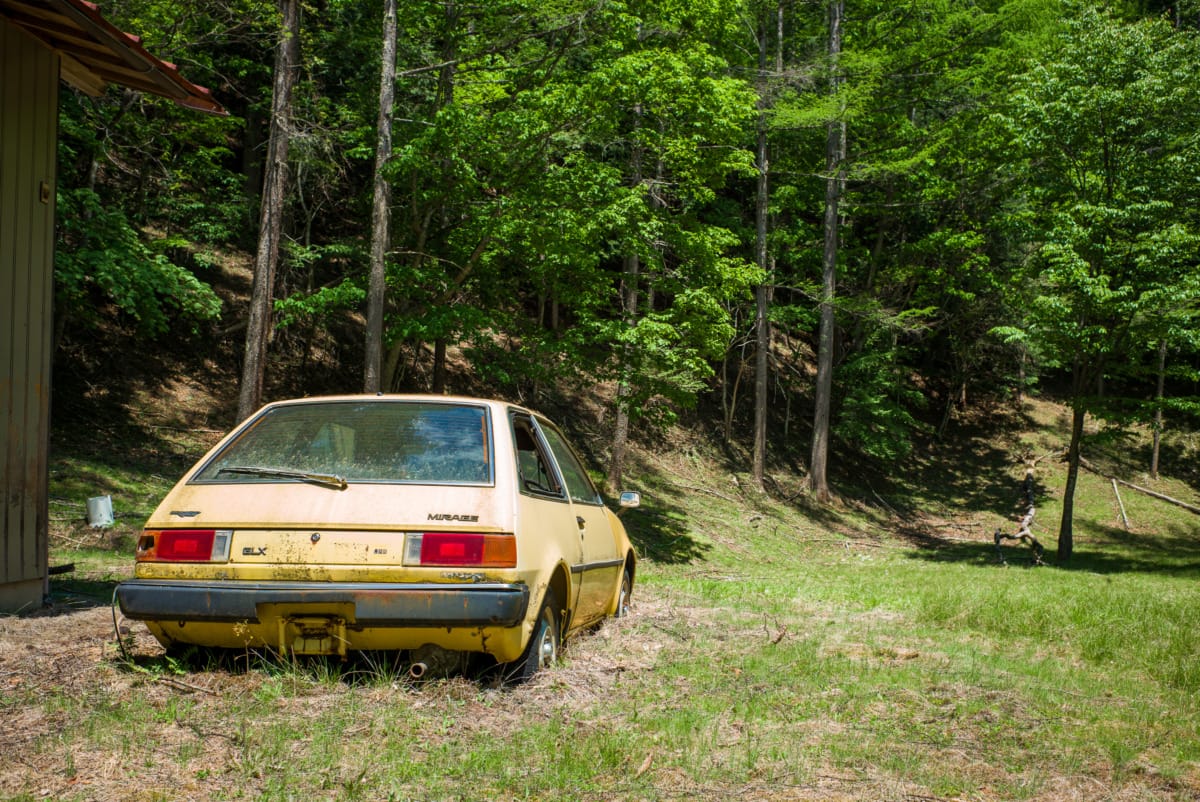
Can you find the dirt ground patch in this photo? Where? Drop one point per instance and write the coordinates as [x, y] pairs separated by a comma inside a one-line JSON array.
[[81, 719]]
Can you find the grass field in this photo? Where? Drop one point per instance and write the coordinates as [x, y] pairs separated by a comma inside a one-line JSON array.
[[875, 651]]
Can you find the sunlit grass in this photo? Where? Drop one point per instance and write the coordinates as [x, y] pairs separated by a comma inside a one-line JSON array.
[[774, 649]]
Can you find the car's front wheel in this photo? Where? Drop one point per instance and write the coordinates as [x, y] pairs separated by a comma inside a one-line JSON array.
[[624, 594], [542, 649]]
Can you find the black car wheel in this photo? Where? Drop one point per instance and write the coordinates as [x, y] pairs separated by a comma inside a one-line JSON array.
[[542, 649], [624, 595]]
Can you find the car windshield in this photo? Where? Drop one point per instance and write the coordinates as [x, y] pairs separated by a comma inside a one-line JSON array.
[[334, 442]]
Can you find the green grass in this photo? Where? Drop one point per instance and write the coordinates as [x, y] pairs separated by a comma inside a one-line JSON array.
[[776, 652]]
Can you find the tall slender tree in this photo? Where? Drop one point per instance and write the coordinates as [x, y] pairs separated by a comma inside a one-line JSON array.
[[762, 293], [270, 228], [381, 204], [835, 153]]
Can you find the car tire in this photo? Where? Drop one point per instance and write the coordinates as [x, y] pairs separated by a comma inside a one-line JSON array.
[[543, 647], [624, 595]]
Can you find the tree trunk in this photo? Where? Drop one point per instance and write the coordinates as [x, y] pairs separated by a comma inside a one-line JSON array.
[[380, 207], [270, 227], [439, 366], [729, 397], [252, 166], [762, 294], [629, 304], [762, 349], [1158, 416], [1022, 359], [835, 149], [1066, 539], [629, 294], [616, 465]]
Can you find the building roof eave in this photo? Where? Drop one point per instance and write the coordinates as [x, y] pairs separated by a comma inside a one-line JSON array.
[[96, 53]]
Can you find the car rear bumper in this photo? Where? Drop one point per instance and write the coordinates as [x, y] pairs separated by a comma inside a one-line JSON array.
[[366, 604]]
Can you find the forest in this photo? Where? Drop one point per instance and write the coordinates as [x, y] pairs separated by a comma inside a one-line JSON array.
[[829, 227]]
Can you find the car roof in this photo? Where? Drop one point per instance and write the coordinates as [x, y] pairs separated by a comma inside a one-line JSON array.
[[495, 404]]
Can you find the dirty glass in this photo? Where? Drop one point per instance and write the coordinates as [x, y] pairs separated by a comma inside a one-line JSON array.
[[579, 486], [533, 464], [368, 441]]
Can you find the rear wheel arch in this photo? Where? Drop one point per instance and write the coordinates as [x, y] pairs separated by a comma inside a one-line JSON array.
[[542, 649], [625, 589], [560, 587]]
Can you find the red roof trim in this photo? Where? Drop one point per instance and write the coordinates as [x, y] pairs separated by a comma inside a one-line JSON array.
[[194, 96], [78, 30]]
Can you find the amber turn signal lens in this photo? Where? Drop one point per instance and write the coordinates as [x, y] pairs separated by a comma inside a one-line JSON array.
[[184, 545]]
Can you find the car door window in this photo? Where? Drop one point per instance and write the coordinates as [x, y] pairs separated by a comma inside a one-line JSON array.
[[534, 467], [579, 484]]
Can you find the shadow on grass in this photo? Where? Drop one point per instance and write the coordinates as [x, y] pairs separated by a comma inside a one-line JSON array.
[[1175, 551], [659, 532], [973, 475], [972, 469], [1099, 549], [1176, 459], [659, 528], [68, 595]]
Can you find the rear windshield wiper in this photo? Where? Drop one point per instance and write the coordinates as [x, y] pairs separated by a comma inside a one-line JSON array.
[[326, 479]]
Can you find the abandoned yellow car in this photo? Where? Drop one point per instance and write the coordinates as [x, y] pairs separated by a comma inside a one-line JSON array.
[[438, 526]]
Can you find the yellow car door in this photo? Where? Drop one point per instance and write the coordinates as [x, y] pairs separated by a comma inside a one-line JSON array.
[[599, 571], [545, 519]]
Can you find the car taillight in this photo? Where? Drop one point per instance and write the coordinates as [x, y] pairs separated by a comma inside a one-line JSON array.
[[184, 545], [460, 549]]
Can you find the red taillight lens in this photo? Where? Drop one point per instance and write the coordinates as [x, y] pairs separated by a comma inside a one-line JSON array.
[[467, 549], [184, 545]]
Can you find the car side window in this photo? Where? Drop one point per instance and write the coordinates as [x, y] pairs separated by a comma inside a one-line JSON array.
[[534, 469], [579, 484]]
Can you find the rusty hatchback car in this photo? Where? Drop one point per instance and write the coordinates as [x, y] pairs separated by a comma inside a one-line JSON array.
[[437, 526]]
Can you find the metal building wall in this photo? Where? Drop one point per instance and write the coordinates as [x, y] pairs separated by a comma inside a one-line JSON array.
[[28, 135]]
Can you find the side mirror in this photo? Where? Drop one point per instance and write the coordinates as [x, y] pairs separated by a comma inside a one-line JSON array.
[[630, 498]]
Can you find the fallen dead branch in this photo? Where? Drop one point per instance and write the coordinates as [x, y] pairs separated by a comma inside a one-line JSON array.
[[695, 489], [180, 685], [1024, 535], [1160, 496], [1121, 505]]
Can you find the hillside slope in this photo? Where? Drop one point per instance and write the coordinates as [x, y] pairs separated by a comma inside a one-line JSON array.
[[145, 410]]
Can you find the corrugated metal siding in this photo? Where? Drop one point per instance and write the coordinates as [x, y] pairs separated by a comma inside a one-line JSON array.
[[28, 135]]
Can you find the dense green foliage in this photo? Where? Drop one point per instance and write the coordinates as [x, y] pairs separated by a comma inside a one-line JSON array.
[[1107, 135], [1020, 196]]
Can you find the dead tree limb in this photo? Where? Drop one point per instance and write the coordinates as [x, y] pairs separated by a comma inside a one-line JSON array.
[[1121, 505], [1024, 535], [1161, 497], [1058, 452]]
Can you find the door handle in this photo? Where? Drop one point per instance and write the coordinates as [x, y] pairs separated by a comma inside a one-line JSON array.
[[582, 524]]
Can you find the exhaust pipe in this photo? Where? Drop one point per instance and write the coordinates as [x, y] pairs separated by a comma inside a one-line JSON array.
[[434, 662]]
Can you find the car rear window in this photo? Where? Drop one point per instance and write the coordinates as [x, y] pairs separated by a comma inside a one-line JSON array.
[[375, 441]]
